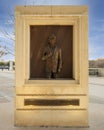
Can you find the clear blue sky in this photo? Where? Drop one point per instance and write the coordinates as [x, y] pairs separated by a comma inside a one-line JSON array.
[[96, 22]]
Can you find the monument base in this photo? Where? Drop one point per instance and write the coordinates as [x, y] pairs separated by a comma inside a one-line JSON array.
[[52, 118]]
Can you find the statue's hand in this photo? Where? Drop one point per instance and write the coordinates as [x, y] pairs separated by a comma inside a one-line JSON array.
[[46, 56], [49, 55]]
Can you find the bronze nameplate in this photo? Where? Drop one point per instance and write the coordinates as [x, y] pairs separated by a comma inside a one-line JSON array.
[[51, 102]]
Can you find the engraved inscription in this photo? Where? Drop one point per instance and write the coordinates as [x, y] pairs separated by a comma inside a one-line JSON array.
[[51, 102]]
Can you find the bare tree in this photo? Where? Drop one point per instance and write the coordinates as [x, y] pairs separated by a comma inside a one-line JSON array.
[[3, 51], [7, 40]]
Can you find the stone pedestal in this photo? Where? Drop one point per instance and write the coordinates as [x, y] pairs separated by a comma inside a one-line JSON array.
[[58, 102]]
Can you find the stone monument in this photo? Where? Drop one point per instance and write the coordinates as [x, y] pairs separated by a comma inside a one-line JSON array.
[[50, 37]]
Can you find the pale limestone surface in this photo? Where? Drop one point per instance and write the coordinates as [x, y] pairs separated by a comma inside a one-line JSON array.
[[77, 16]]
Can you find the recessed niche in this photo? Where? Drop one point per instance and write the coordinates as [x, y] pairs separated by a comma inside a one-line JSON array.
[[38, 40]]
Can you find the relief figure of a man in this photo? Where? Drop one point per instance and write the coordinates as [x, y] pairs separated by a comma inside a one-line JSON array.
[[52, 57]]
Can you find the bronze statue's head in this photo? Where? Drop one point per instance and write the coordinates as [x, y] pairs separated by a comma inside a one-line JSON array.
[[52, 39]]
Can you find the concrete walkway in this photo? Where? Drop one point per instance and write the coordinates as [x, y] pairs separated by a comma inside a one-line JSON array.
[[96, 105]]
